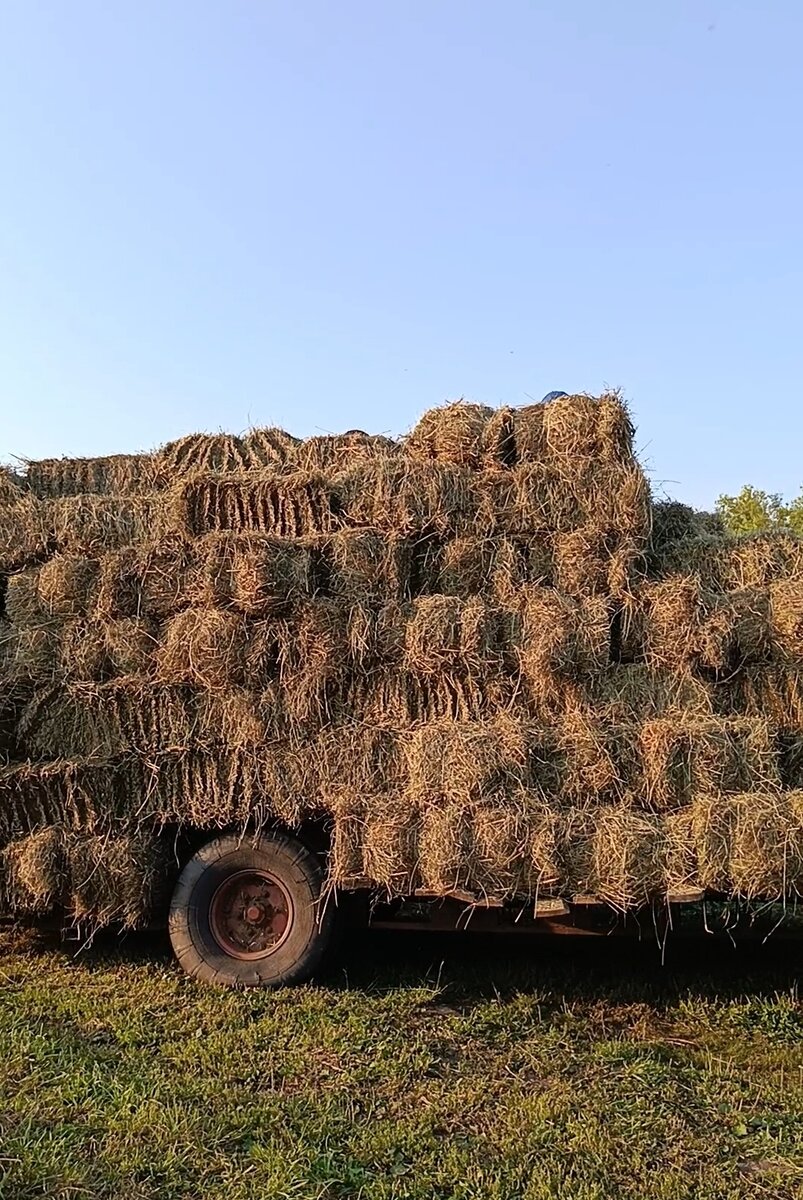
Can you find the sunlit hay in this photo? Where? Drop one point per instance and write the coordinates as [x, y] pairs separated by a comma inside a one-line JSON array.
[[114, 474], [86, 720], [580, 429], [597, 758], [211, 790], [734, 630], [399, 699], [464, 760], [447, 634], [466, 566], [683, 758], [116, 877], [762, 559], [682, 868], [406, 497], [131, 646], [23, 603], [337, 452], [772, 692], [629, 857], [255, 574], [345, 863], [582, 561], [313, 653], [354, 759], [455, 433], [68, 586], [618, 498], [530, 499], [271, 448], [561, 639], [635, 692], [786, 604], [390, 844], [91, 525], [519, 564], [513, 847], [444, 847], [364, 565], [151, 581], [766, 844], [26, 533], [36, 871], [239, 718], [675, 611], [529, 437], [292, 505], [218, 453], [204, 646]]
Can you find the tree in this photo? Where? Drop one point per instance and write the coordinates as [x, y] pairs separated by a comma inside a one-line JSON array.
[[754, 511]]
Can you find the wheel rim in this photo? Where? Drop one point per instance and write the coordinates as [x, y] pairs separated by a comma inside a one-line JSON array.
[[251, 914]]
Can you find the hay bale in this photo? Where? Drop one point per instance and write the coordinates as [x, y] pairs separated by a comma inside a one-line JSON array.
[[454, 433], [294, 505], [586, 428], [446, 634], [520, 564], [36, 871], [529, 438], [444, 847], [12, 486], [30, 652], [270, 447], [772, 692], [629, 857], [346, 869], [204, 646], [307, 654], [353, 759], [26, 534], [512, 847], [561, 640], [212, 453], [97, 524], [625, 694], [459, 761], [682, 867], [239, 718], [466, 566], [365, 565], [760, 560], [766, 848], [255, 574], [151, 581], [115, 474], [399, 699], [597, 758], [23, 603], [117, 877], [786, 604], [205, 790], [375, 843], [72, 794], [337, 452], [68, 586], [408, 497], [683, 758], [130, 644], [582, 561], [675, 612]]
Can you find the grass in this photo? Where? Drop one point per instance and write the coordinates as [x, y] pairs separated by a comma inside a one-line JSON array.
[[439, 1069]]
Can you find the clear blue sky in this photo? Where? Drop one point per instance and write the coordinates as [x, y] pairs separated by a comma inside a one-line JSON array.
[[331, 214]]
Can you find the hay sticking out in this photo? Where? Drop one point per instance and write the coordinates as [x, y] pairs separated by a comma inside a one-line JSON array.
[[117, 878], [205, 647], [68, 586], [561, 639], [683, 758], [37, 871], [596, 764], [583, 428], [115, 474], [12, 486], [446, 634], [512, 847], [23, 604], [455, 433], [295, 505], [338, 452], [520, 564], [364, 565], [465, 760], [219, 453], [146, 581], [254, 574], [404, 497], [26, 534], [786, 600], [270, 447], [628, 857], [634, 692], [466, 565], [93, 525]]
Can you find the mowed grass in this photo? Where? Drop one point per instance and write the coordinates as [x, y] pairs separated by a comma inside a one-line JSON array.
[[418, 1068]]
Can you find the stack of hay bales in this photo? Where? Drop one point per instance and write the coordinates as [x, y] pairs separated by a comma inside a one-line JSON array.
[[480, 655]]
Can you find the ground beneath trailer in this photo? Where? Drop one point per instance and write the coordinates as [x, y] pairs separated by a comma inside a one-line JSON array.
[[470, 1069]]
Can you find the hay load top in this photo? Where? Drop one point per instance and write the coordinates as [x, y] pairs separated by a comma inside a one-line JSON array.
[[479, 653]]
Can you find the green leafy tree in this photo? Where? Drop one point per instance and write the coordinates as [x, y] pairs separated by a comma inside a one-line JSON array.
[[754, 511]]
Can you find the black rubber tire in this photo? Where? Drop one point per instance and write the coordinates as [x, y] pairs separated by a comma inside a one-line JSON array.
[[312, 928]]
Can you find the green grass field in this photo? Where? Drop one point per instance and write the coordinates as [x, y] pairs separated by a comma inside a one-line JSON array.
[[418, 1068]]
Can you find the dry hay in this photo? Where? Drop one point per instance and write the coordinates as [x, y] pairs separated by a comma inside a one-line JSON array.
[[252, 573], [675, 612], [762, 560], [458, 761], [365, 565], [518, 565], [30, 652], [68, 586], [86, 720], [23, 604], [314, 654], [786, 602], [294, 505], [772, 692], [398, 699], [239, 718], [465, 435], [579, 429], [36, 870], [466, 566], [582, 561], [117, 877], [683, 758], [513, 847], [629, 857], [26, 534], [446, 634], [213, 453], [689, 626], [530, 499], [151, 581], [353, 759], [270, 447], [390, 838], [445, 847], [91, 525], [790, 755], [337, 452], [597, 758], [237, 787], [529, 439], [12, 486], [204, 646], [561, 640], [636, 692], [750, 845], [404, 497], [115, 474], [74, 794]]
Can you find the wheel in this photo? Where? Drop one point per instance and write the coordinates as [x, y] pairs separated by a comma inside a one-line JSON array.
[[249, 914]]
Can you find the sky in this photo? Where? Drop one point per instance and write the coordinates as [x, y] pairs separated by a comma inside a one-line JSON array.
[[334, 214]]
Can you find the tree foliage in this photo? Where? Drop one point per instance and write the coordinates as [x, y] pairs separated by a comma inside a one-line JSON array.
[[754, 511]]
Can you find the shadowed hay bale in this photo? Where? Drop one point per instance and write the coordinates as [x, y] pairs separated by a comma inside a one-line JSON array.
[[561, 639], [354, 760], [93, 525], [79, 649], [121, 877], [463, 760], [294, 505], [597, 759], [87, 720], [466, 435], [399, 699], [683, 758], [529, 438], [366, 565], [75, 794], [375, 843], [338, 452], [790, 755], [772, 692], [23, 604], [146, 581], [682, 868], [688, 626], [403, 496], [269, 447], [68, 586], [445, 633], [466, 566], [444, 847], [636, 692], [786, 602], [578, 428], [520, 564], [314, 654], [204, 646], [219, 453], [37, 871], [255, 574], [116, 474], [30, 652], [12, 487], [530, 499], [512, 848], [239, 718], [750, 845], [211, 791], [26, 533], [612, 852], [589, 561]]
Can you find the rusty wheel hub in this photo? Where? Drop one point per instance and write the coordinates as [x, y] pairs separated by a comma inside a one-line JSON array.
[[251, 914]]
